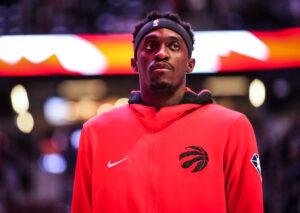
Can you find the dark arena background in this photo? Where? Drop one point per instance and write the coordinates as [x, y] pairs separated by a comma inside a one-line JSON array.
[[64, 61]]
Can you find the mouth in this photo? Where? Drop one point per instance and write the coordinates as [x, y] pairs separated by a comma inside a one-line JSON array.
[[161, 67]]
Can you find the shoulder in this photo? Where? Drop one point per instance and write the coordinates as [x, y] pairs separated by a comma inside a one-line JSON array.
[[224, 117], [235, 122], [107, 117], [220, 112]]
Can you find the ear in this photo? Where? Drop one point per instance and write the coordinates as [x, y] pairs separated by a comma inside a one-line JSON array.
[[190, 65], [134, 65]]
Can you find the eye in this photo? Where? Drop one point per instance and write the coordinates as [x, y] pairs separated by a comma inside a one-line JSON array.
[[174, 45], [151, 45]]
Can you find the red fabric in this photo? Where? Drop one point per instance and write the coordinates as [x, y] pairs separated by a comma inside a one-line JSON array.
[[148, 177]]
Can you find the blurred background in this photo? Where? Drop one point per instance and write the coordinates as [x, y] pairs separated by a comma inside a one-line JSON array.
[[41, 116]]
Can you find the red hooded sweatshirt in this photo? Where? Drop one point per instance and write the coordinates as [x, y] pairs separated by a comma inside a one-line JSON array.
[[192, 157]]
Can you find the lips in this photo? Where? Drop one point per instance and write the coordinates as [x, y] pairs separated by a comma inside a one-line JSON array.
[[160, 66]]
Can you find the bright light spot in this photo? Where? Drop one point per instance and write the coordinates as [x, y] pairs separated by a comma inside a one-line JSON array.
[[86, 58], [25, 122], [227, 86], [121, 102], [257, 93], [54, 163], [73, 52], [57, 111], [104, 107], [75, 137], [19, 99], [94, 89], [211, 46], [85, 109], [7, 53]]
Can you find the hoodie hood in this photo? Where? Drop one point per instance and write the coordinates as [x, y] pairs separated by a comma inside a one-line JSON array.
[[154, 119], [190, 97]]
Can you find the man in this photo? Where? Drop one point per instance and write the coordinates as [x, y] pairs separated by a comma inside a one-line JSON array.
[[169, 149]]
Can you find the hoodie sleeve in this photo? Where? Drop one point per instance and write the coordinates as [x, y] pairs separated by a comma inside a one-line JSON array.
[[82, 191], [243, 183]]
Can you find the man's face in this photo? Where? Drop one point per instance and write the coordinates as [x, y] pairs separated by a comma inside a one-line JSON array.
[[162, 60]]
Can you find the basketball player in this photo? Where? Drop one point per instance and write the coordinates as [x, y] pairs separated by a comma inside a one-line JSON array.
[[169, 149]]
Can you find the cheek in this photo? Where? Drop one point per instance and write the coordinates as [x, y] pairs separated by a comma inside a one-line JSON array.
[[182, 65], [142, 68], [143, 64]]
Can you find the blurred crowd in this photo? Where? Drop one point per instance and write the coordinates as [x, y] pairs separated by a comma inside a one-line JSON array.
[[119, 16], [279, 144]]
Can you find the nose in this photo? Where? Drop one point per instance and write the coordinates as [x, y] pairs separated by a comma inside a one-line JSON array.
[[162, 53]]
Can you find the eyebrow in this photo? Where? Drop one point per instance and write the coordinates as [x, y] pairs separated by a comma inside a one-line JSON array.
[[155, 37]]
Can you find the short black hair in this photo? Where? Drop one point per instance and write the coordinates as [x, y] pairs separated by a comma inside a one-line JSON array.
[[156, 15]]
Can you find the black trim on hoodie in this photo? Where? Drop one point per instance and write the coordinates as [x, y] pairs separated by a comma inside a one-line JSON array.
[[204, 97]]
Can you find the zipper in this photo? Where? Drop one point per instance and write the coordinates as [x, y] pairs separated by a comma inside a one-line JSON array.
[[153, 180]]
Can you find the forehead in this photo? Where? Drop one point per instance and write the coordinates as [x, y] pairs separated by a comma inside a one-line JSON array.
[[163, 33]]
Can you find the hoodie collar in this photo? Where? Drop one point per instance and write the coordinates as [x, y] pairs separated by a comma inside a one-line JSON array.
[[190, 97], [155, 120]]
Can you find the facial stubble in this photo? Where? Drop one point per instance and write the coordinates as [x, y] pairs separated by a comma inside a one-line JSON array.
[[164, 89]]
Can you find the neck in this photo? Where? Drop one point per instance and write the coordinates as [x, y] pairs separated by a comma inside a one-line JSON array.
[[162, 97]]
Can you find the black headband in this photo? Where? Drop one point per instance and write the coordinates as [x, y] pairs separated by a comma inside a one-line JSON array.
[[163, 23]]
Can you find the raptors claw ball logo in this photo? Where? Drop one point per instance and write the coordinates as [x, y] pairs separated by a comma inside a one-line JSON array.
[[196, 157]]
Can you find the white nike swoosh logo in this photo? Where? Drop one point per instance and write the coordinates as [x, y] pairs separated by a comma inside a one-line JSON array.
[[109, 164]]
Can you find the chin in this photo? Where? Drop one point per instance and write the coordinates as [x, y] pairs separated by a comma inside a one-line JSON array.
[[161, 86]]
